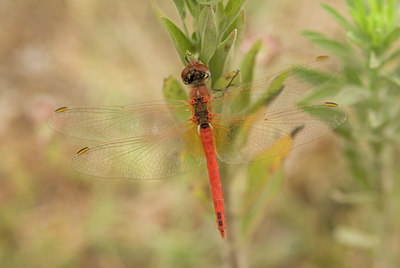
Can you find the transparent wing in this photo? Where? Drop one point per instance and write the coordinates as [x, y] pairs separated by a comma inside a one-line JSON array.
[[249, 138], [170, 152], [249, 119], [111, 123], [287, 86]]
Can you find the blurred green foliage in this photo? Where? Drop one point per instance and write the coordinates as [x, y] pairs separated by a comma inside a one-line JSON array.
[[211, 19], [216, 28], [370, 85], [105, 53]]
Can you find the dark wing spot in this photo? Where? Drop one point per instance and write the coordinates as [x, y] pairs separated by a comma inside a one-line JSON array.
[[62, 109], [274, 95], [83, 150], [296, 130]]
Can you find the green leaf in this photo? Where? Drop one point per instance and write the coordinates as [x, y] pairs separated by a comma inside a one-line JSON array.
[[249, 61], [222, 83], [353, 72], [373, 7], [350, 95], [156, 10], [193, 7], [190, 56], [232, 10], [233, 7], [180, 6], [220, 57], [350, 3], [391, 12], [208, 34], [264, 181], [313, 77], [357, 166], [392, 36], [179, 39], [273, 90], [359, 14], [173, 91], [238, 25], [331, 45], [224, 80], [323, 94], [210, 2], [247, 70], [359, 39], [337, 16], [219, 12]]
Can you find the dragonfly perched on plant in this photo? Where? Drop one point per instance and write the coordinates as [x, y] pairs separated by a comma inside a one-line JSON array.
[[237, 124]]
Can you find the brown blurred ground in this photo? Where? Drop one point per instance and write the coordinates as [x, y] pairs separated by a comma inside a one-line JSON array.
[[56, 53]]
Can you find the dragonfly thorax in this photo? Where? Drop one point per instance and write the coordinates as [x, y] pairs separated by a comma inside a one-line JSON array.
[[201, 112], [201, 106]]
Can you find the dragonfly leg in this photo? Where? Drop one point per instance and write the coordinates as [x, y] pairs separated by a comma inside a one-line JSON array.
[[224, 90], [194, 118]]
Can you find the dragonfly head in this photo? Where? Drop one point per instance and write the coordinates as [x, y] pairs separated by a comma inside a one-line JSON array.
[[195, 74]]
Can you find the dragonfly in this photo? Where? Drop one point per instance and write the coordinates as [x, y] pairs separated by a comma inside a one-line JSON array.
[[237, 124]]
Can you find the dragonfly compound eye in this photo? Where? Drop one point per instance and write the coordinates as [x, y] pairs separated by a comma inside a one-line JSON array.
[[195, 73]]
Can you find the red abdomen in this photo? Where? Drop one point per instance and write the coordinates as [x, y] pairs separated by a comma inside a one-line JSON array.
[[207, 138]]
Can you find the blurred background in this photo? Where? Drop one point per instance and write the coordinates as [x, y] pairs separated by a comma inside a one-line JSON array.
[[103, 52]]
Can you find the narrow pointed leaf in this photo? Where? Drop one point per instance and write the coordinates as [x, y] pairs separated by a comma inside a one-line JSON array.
[[237, 25], [271, 92], [248, 62], [193, 7], [264, 181], [251, 220], [220, 57], [156, 10], [232, 10], [180, 6], [331, 45], [338, 17], [247, 70], [179, 39], [393, 36], [219, 12], [210, 2], [208, 34]]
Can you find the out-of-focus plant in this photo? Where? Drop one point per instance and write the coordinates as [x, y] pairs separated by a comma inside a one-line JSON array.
[[217, 27], [371, 86], [217, 30]]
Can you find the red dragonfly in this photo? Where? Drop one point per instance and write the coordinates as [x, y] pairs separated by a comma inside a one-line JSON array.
[[161, 139]]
